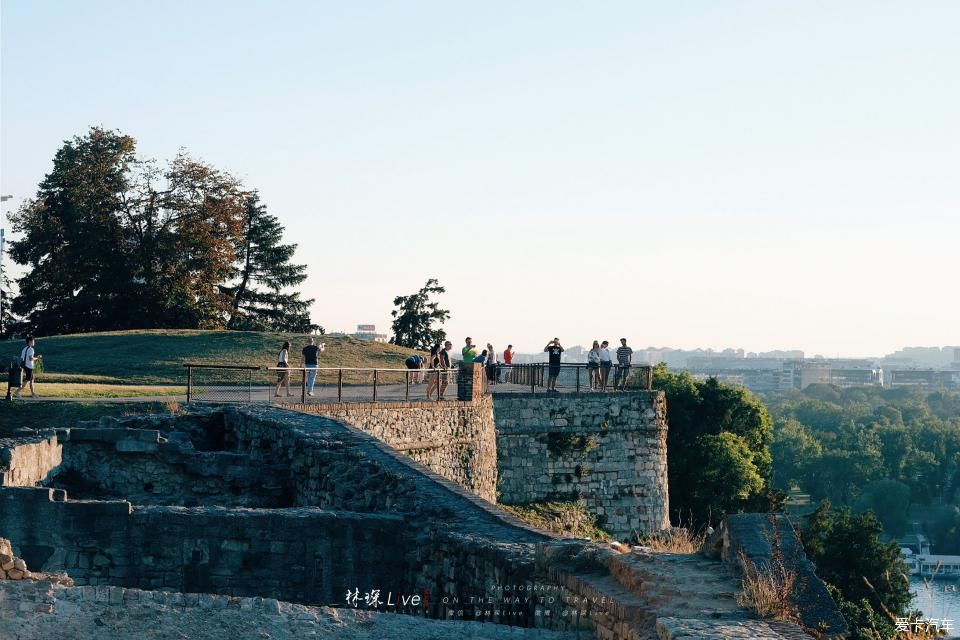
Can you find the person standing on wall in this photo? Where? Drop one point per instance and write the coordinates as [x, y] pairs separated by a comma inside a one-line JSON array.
[[309, 359], [28, 360], [469, 352], [283, 374], [624, 359], [593, 366], [445, 367], [508, 360], [554, 349], [491, 364], [433, 377], [606, 363]]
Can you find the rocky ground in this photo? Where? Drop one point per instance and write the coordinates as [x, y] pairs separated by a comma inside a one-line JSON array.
[[41, 610]]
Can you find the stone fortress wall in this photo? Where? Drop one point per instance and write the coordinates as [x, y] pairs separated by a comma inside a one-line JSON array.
[[333, 509], [609, 449]]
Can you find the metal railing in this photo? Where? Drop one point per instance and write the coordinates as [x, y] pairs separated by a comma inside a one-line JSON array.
[[351, 384], [571, 377], [279, 385], [220, 383]]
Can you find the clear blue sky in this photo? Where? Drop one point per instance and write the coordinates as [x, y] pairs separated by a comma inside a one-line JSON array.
[[745, 173]]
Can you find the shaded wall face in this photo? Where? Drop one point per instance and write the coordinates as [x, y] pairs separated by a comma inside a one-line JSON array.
[[608, 449], [456, 440]]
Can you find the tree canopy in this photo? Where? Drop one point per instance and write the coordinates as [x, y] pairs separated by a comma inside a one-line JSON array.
[[415, 317], [868, 577], [718, 449], [113, 241]]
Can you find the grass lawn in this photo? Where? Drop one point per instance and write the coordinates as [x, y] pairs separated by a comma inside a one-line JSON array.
[[97, 390], [156, 357], [51, 415]]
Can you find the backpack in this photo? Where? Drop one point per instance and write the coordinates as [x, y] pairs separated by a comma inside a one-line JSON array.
[[23, 358]]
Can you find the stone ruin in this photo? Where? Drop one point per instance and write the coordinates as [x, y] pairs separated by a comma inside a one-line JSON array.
[[267, 523]]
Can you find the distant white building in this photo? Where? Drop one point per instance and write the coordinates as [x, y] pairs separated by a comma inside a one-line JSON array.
[[364, 332], [369, 332]]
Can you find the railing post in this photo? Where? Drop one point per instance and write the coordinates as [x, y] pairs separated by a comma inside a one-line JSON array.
[[303, 386], [189, 383], [533, 380], [339, 385], [578, 378], [374, 385], [407, 392]]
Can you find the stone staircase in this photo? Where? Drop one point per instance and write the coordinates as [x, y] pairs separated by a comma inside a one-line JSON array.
[[647, 595]]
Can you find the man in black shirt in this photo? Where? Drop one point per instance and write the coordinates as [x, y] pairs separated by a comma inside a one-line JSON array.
[[554, 349], [309, 360]]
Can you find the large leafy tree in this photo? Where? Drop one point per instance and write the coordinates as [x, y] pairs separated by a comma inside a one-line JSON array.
[[116, 242], [718, 449], [259, 296], [415, 316], [80, 276], [868, 576]]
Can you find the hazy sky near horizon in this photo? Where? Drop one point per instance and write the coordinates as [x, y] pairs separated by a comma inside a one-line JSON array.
[[718, 174]]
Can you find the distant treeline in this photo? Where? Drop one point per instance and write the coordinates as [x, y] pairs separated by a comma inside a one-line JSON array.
[[873, 448]]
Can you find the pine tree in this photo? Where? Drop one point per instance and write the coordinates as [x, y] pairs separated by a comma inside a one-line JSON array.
[[263, 273]]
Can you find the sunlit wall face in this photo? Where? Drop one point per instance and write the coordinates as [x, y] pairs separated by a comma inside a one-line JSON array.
[[753, 175]]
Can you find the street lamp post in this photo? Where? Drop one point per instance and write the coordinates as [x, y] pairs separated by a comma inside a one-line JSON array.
[[3, 247]]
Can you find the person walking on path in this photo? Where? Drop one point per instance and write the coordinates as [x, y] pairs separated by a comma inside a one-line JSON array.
[[309, 358], [433, 376], [593, 366], [283, 374], [606, 363], [554, 349], [28, 360], [624, 359], [445, 366]]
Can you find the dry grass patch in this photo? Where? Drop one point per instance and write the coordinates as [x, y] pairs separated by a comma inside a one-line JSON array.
[[674, 540], [768, 590]]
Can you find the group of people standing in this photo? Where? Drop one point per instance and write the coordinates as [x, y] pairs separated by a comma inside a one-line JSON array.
[[599, 364], [600, 361]]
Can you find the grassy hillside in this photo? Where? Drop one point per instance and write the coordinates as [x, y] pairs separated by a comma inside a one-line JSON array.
[[156, 357]]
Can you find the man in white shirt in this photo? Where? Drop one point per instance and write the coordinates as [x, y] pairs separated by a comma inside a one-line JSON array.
[[28, 358]]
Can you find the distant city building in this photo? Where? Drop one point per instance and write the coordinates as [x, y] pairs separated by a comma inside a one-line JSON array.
[[364, 332], [925, 379]]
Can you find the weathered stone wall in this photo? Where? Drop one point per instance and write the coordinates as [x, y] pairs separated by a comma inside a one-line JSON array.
[[141, 466], [770, 543], [608, 448], [455, 439], [303, 555], [26, 461]]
